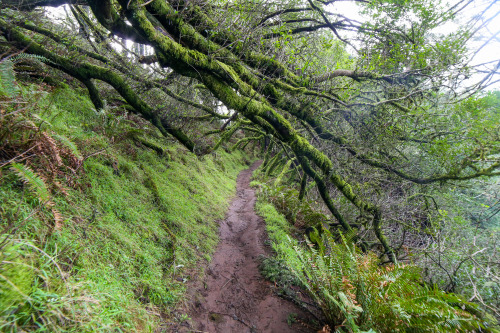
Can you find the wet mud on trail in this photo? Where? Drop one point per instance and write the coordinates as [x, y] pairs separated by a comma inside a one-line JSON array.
[[234, 297]]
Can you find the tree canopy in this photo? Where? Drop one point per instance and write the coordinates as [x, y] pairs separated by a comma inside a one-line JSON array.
[[375, 113]]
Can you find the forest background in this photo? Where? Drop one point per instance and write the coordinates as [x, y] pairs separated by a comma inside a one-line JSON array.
[[380, 141]]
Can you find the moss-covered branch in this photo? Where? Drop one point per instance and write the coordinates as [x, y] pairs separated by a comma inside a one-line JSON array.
[[244, 141], [303, 185], [85, 72], [324, 192]]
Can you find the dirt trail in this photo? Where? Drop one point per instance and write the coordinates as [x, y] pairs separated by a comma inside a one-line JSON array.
[[234, 296]]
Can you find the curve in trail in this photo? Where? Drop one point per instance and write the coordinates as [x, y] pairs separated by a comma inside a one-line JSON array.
[[234, 296]]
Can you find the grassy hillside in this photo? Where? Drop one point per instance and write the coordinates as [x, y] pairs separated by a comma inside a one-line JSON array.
[[102, 220]]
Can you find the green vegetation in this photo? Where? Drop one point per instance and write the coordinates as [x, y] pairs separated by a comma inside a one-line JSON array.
[[380, 141], [349, 284], [354, 292], [99, 231]]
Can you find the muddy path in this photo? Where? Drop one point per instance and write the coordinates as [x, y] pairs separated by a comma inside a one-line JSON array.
[[234, 297]]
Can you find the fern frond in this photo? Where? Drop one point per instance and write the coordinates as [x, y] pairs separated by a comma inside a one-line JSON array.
[[354, 292], [51, 143], [40, 120], [38, 186], [69, 145], [26, 56], [58, 219], [8, 87]]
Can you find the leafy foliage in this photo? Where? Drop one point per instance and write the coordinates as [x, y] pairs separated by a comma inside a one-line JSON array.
[[354, 291], [376, 114], [301, 213], [33, 180], [7, 79], [356, 294], [8, 86]]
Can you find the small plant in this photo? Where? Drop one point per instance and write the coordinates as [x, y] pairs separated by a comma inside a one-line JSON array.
[[276, 271], [291, 319], [298, 212], [8, 88], [183, 317], [38, 187], [36, 184]]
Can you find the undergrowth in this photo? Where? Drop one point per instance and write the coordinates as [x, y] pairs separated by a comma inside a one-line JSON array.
[[353, 291], [102, 220]]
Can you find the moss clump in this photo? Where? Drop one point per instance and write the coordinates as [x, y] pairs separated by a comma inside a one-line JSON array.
[[216, 317]]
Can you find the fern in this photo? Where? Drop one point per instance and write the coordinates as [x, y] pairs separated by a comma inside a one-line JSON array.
[[7, 79], [58, 219], [25, 56], [69, 145], [51, 145], [40, 190], [38, 186], [356, 294], [8, 87]]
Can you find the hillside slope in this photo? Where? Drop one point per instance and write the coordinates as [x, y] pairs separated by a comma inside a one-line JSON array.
[[102, 219]]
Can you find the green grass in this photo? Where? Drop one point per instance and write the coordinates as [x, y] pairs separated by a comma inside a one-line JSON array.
[[135, 227], [281, 235]]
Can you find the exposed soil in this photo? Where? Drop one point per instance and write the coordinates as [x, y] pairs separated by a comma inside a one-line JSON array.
[[234, 297]]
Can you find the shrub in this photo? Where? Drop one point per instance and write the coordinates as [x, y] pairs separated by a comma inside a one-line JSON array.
[[298, 212], [356, 294]]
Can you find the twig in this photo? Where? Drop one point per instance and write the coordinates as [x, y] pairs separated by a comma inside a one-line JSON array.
[[226, 283], [145, 4], [86, 157], [235, 317], [18, 156]]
